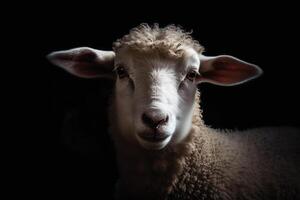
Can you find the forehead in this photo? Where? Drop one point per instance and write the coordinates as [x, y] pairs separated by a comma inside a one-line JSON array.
[[154, 59]]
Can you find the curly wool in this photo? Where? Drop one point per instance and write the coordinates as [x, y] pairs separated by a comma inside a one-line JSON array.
[[169, 40], [209, 164], [212, 165]]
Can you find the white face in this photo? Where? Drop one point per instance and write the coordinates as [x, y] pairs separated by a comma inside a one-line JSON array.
[[155, 97], [154, 93]]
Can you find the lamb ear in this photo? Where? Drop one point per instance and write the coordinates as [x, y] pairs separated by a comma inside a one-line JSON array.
[[226, 70], [85, 62]]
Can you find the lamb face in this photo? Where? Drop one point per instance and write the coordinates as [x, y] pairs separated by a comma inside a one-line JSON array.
[[156, 72], [156, 94]]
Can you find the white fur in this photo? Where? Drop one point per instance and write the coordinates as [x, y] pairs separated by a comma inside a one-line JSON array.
[[208, 164], [156, 84], [159, 84]]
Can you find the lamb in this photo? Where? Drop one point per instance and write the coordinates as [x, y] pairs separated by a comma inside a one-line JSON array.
[[164, 149]]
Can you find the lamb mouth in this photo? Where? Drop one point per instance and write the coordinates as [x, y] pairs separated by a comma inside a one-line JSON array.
[[154, 138]]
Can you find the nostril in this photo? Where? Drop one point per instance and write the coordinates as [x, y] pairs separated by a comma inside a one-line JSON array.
[[154, 121], [163, 121], [148, 120]]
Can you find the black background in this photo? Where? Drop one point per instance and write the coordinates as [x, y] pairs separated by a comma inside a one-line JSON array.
[[73, 155]]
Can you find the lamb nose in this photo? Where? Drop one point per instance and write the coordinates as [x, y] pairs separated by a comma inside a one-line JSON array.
[[154, 121]]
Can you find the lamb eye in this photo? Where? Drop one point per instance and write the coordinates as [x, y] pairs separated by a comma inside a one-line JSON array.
[[191, 76], [121, 72]]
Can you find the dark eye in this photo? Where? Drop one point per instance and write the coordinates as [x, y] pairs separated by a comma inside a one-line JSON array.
[[191, 75], [121, 72]]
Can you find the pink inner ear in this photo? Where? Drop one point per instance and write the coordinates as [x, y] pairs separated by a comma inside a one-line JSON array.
[[82, 55], [87, 65], [229, 71], [85, 62], [88, 69]]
